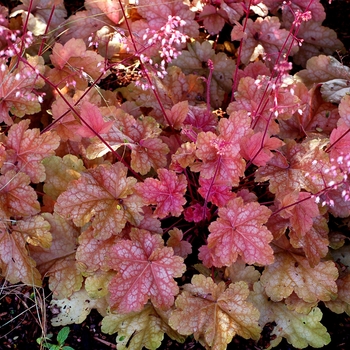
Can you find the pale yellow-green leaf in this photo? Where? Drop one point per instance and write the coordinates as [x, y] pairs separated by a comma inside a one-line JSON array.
[[137, 330], [300, 329], [60, 172], [76, 308], [97, 284]]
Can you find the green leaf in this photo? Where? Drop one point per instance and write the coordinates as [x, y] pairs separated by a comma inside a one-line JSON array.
[[55, 347], [63, 335]]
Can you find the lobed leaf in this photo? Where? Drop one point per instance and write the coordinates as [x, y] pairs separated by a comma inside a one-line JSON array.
[[146, 271], [167, 193], [214, 313], [17, 90], [17, 198], [292, 272], [239, 230], [137, 330], [26, 149], [300, 329], [103, 195]]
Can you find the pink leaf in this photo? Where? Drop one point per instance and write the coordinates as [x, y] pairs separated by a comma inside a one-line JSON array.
[[181, 248], [178, 114], [220, 153], [257, 148], [26, 149], [216, 192], [167, 192], [239, 230], [92, 115], [146, 271]]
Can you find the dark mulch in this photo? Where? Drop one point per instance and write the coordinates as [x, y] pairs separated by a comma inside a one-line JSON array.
[[21, 323]]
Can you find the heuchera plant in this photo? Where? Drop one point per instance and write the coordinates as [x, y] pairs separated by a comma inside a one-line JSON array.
[[160, 163]]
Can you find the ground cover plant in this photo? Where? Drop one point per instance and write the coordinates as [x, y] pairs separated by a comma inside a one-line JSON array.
[[178, 166]]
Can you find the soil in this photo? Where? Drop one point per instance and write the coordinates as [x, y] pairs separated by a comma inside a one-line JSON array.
[[23, 316]]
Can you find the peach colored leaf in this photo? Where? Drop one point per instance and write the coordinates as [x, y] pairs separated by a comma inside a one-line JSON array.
[[214, 314], [141, 136], [257, 148], [301, 209], [83, 24], [104, 196], [36, 230], [150, 153], [265, 37], [157, 15], [316, 114], [92, 115], [316, 40], [235, 10], [300, 329], [58, 261], [17, 91], [220, 153], [66, 122], [298, 166], [60, 172], [108, 8], [181, 248], [26, 149], [200, 119], [314, 242], [146, 270], [207, 256], [181, 87], [276, 102], [342, 302], [316, 9], [178, 114], [73, 65], [292, 272], [184, 156], [92, 253], [239, 230], [322, 68], [149, 222], [16, 265], [17, 198], [239, 271], [139, 330], [167, 193]]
